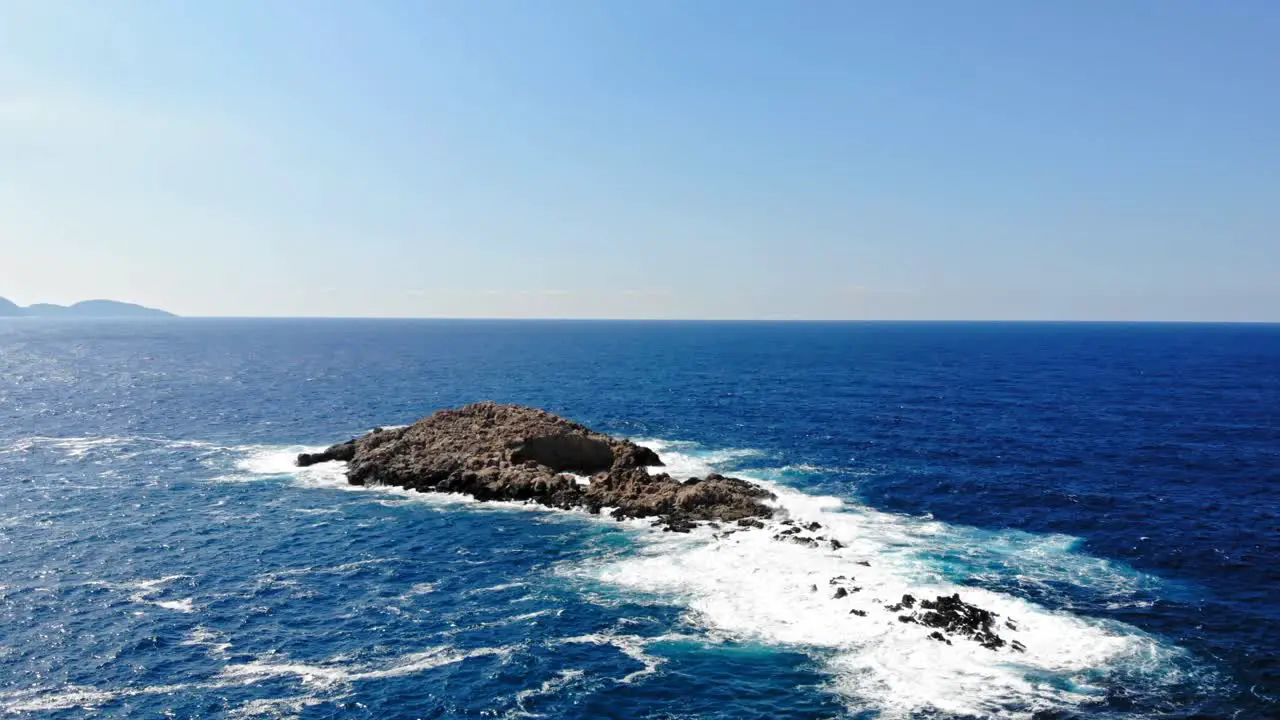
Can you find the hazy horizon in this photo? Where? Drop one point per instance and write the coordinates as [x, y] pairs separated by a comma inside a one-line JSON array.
[[641, 319], [748, 160]]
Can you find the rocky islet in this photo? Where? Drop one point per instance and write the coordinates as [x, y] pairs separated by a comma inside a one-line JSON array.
[[498, 452]]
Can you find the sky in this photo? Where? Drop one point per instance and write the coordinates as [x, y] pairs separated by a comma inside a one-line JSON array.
[[851, 159]]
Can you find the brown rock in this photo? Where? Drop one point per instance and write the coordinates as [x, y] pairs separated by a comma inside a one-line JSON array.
[[510, 452]]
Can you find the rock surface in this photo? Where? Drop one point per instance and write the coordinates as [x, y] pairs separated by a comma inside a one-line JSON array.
[[956, 616], [509, 452]]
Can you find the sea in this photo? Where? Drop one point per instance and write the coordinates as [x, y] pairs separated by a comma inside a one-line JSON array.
[[1113, 490]]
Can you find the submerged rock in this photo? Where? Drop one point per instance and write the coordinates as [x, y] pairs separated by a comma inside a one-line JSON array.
[[509, 452]]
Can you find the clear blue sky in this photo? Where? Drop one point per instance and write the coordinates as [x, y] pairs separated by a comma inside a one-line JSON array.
[[1079, 159]]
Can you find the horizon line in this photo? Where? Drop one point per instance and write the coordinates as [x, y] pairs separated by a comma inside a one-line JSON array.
[[1006, 321]]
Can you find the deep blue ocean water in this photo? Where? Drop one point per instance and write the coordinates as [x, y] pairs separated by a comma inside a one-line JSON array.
[[1115, 488]]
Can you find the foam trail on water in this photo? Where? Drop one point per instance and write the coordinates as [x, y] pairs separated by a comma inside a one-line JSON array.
[[337, 673], [215, 643], [80, 448], [633, 646], [71, 697], [142, 592], [562, 680], [330, 678], [276, 707], [751, 586]]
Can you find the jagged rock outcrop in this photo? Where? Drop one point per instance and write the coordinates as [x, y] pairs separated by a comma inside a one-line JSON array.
[[509, 452], [954, 615]]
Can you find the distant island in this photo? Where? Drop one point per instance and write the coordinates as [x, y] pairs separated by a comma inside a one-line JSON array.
[[85, 309]]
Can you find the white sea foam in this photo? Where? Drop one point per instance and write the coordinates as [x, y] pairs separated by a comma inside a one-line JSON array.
[[935, 548], [562, 679], [316, 511], [501, 622], [70, 697], [336, 672], [746, 585], [328, 679], [680, 461], [633, 646], [289, 577], [147, 588], [422, 588], [80, 447], [51, 699], [498, 588], [75, 447], [186, 605], [270, 461], [142, 592], [278, 708], [215, 641]]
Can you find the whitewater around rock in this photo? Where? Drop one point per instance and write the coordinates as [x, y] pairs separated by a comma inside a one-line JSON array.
[[497, 452]]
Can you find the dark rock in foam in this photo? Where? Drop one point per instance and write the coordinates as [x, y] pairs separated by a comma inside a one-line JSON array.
[[956, 616], [509, 452]]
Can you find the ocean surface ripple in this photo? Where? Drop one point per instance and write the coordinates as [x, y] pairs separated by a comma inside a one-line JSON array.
[[1113, 489]]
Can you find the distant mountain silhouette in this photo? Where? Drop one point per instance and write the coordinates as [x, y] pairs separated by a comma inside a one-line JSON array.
[[85, 309]]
